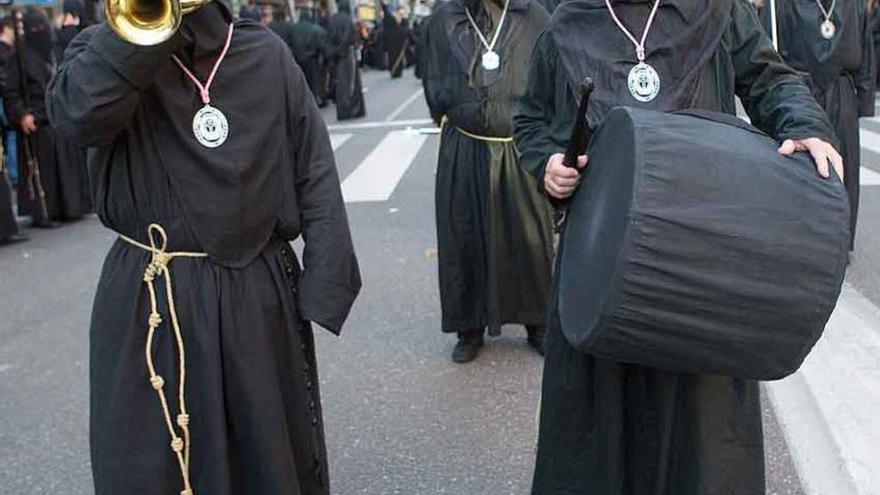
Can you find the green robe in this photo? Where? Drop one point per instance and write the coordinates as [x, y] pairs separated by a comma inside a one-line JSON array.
[[494, 229], [609, 428]]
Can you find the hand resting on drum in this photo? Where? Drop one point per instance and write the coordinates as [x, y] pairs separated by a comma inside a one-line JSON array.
[[561, 181]]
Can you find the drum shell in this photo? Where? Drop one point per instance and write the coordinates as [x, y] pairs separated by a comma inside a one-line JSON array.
[[693, 245]]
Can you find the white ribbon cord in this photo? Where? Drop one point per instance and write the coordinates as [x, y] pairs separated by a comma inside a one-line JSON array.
[[490, 47], [640, 45], [827, 13]]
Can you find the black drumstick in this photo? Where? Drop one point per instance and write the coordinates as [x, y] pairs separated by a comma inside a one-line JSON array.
[[580, 134]]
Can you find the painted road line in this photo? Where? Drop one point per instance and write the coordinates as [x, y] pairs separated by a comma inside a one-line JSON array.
[[870, 141], [338, 140], [829, 408], [378, 175], [868, 177], [378, 125], [403, 106]]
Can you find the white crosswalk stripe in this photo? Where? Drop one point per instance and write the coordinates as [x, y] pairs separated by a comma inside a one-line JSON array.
[[377, 176], [870, 141], [338, 140]]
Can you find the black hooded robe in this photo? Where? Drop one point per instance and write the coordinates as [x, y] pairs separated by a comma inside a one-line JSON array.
[[8, 224], [395, 37], [618, 429], [840, 71], [349, 94], [494, 229], [245, 310], [70, 156], [284, 29], [63, 179], [309, 45], [418, 41], [875, 34]]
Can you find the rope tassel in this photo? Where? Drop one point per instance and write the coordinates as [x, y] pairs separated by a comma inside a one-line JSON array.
[[159, 267]]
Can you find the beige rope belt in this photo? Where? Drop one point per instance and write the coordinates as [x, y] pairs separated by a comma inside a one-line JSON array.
[[489, 139], [159, 267]]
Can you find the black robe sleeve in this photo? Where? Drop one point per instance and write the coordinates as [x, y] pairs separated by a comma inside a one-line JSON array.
[[331, 278], [866, 77], [13, 97], [438, 56], [99, 85], [545, 113], [775, 97]]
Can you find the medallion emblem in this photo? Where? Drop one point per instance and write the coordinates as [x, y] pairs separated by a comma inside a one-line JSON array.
[[828, 29], [643, 82], [210, 127], [491, 60]]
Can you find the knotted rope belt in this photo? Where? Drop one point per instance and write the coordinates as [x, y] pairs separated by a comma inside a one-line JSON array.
[[490, 139], [159, 266]]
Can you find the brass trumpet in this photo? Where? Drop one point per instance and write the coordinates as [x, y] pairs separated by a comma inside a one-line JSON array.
[[148, 22]]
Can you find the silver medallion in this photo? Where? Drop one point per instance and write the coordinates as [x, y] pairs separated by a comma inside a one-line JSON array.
[[491, 60], [644, 82], [210, 127], [828, 29]]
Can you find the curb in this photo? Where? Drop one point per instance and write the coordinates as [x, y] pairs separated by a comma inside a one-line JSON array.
[[829, 410]]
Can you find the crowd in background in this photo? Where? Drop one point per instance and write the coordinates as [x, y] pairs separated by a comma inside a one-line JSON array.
[[43, 174], [45, 179], [390, 42]]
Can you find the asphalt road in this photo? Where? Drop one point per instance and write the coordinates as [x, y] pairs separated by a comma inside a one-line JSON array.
[[401, 418]]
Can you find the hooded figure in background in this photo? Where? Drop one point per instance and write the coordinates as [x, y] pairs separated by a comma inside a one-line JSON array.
[[343, 38], [832, 43], [275, 17], [8, 164], [309, 48], [395, 35], [71, 156], [624, 429], [249, 13], [209, 375], [59, 191], [72, 22], [494, 228]]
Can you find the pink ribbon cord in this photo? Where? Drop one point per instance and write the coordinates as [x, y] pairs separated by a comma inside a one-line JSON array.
[[204, 89], [640, 45]]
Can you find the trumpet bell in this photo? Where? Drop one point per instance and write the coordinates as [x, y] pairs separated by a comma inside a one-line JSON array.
[[144, 22]]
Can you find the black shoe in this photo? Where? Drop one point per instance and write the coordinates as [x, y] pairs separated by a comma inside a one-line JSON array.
[[468, 347], [13, 239], [536, 338]]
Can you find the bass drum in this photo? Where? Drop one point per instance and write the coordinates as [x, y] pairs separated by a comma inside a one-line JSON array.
[[694, 246]]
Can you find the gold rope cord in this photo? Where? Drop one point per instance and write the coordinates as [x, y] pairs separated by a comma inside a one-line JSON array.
[[159, 267], [36, 191], [489, 139]]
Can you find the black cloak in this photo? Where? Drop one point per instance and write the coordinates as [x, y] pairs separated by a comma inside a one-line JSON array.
[[349, 94], [63, 178], [841, 72], [70, 156], [494, 229], [309, 47], [875, 34], [245, 309], [610, 428], [8, 225], [396, 40]]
